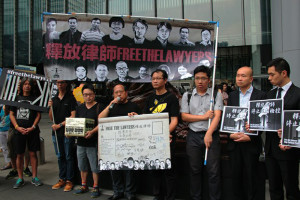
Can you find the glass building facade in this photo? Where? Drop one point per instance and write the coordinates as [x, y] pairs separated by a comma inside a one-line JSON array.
[[244, 33]]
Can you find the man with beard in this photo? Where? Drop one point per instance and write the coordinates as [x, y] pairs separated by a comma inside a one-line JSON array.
[[71, 36]]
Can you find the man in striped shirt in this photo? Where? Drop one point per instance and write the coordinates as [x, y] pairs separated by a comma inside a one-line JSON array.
[[94, 34]]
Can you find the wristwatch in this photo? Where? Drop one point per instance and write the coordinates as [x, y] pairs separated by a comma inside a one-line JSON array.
[[60, 125], [33, 126]]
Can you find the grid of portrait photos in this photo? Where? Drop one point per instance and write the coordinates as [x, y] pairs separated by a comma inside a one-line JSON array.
[[105, 48]]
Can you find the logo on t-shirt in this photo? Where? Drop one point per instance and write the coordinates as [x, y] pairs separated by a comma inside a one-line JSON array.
[[160, 108], [23, 113]]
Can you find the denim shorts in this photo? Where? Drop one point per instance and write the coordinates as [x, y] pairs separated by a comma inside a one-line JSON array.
[[85, 156]]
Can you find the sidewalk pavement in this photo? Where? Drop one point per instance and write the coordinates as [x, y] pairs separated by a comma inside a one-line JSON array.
[[47, 173]]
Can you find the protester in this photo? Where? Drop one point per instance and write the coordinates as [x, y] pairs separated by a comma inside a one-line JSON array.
[[121, 107], [87, 145], [244, 150], [27, 132], [163, 101], [196, 111], [282, 163], [61, 106]]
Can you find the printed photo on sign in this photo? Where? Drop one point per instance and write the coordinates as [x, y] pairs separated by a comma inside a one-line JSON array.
[[23, 113], [9, 82], [138, 143], [234, 119], [82, 47], [265, 115], [291, 128]]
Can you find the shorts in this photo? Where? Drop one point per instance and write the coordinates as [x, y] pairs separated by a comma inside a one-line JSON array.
[[32, 140], [86, 155]]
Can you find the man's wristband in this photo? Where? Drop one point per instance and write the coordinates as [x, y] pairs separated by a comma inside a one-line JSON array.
[[16, 126], [60, 124], [33, 126]]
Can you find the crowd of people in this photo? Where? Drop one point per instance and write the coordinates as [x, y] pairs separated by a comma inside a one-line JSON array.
[[282, 162]]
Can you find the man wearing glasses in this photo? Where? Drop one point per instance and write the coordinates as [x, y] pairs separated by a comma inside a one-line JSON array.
[[63, 105], [196, 111], [122, 72], [163, 101]]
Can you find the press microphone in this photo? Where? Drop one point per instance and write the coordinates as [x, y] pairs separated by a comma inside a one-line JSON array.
[[112, 105]]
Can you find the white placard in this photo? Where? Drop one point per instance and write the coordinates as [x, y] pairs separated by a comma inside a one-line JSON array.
[[135, 143]]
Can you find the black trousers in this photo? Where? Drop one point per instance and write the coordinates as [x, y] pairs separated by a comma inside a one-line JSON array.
[[283, 172], [164, 180], [244, 165], [120, 186], [195, 149]]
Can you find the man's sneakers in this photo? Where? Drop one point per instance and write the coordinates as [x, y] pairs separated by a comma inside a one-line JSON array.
[[27, 172], [68, 187], [95, 192], [13, 173], [36, 181], [61, 183], [81, 190], [20, 182]]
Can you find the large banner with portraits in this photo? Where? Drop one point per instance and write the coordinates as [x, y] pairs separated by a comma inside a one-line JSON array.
[[134, 143], [86, 47]]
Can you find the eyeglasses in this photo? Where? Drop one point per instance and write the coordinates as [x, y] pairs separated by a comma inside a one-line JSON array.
[[88, 94], [156, 78], [122, 69], [201, 79]]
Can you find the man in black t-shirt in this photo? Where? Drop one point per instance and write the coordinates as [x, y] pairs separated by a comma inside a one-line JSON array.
[[27, 132], [160, 102], [87, 145], [120, 106], [63, 105]]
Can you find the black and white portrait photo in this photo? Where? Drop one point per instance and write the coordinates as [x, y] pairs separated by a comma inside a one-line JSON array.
[[116, 37], [81, 73], [94, 34], [184, 38], [122, 72], [71, 36], [163, 33], [234, 119], [265, 115], [101, 72], [140, 28]]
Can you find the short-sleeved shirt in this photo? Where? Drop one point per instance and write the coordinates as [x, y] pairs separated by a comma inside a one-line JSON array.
[[170, 104], [123, 109], [62, 108], [83, 112], [199, 105], [24, 116]]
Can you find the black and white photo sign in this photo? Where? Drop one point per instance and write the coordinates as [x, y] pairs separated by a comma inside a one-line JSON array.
[[291, 128], [234, 119], [265, 115]]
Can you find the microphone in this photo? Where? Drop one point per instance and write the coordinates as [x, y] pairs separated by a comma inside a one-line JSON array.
[[112, 105]]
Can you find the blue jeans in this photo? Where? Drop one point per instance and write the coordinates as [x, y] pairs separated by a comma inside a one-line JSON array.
[[65, 156]]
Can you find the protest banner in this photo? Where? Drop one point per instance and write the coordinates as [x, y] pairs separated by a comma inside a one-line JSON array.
[[234, 119], [265, 115], [90, 47], [134, 143], [9, 82], [291, 128]]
